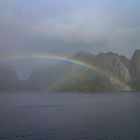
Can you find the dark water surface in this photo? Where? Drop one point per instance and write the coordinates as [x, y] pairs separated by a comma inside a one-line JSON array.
[[69, 116]]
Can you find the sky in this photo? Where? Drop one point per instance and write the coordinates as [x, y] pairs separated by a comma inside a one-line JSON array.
[[69, 26]]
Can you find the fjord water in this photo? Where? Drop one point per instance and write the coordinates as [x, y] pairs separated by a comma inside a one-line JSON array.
[[69, 116]]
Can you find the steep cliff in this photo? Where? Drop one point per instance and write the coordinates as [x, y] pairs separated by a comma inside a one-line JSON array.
[[134, 69]]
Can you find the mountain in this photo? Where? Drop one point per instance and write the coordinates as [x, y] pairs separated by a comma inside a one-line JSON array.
[[83, 72], [72, 77], [109, 64], [114, 65], [134, 69], [135, 65], [8, 79]]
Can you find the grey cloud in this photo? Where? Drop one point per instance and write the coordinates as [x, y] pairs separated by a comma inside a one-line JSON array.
[[68, 33], [14, 35]]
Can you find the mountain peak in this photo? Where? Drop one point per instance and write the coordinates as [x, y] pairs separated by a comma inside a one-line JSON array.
[[85, 56], [111, 54], [137, 52], [83, 53]]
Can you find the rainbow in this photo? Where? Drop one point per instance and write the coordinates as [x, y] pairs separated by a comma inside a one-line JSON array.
[[67, 59]]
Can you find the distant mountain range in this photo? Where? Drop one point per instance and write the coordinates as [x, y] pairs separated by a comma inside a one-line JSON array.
[[112, 73], [102, 72]]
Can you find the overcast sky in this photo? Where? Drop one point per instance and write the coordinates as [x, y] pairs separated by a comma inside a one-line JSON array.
[[69, 26]]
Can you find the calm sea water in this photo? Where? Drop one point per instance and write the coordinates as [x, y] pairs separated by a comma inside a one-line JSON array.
[[69, 116]]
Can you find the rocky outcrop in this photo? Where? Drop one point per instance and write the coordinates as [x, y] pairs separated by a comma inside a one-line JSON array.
[[134, 69], [135, 65], [114, 65], [125, 61]]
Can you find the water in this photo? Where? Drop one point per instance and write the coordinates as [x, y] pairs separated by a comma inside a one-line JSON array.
[[69, 116]]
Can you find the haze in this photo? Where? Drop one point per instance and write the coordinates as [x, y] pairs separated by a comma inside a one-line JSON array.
[[67, 27]]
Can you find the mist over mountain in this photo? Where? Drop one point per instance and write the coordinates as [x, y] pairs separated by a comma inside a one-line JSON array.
[[110, 72], [72, 77], [8, 79]]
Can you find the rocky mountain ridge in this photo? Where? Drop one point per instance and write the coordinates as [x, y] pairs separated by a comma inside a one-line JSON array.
[[110, 72], [72, 77]]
